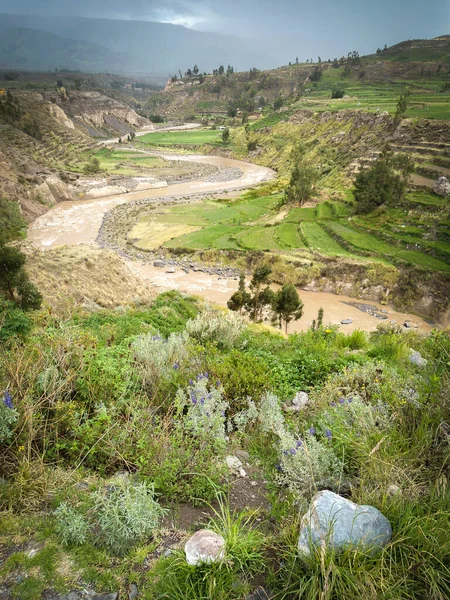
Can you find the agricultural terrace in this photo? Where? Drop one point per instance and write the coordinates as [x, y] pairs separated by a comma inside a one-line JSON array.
[[413, 235]]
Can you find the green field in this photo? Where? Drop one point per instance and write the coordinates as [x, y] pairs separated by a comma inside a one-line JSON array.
[[181, 138], [249, 223]]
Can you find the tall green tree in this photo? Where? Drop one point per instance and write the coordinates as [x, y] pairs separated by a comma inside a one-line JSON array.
[[384, 182], [302, 181], [240, 298], [261, 277], [287, 305], [402, 107]]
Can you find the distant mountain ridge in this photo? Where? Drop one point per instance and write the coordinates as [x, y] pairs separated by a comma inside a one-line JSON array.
[[126, 46]]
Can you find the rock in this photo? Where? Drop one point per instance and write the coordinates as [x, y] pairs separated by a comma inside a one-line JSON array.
[[407, 324], [393, 490], [159, 263], [416, 358], [300, 399], [170, 270], [346, 321], [113, 596], [342, 524], [235, 466], [242, 455], [70, 596], [133, 592], [299, 402], [204, 547], [442, 187]]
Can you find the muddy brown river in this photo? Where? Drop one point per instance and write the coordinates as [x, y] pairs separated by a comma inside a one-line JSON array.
[[78, 222]]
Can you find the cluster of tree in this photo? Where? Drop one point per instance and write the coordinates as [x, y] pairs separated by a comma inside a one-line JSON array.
[[379, 50], [93, 165], [316, 74], [156, 118], [11, 76], [337, 92], [17, 294], [302, 181], [384, 182], [284, 304], [221, 70]]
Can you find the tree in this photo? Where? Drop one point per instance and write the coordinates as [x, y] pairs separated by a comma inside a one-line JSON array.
[[240, 298], [221, 70], [261, 276], [303, 178], [287, 305], [384, 182], [402, 107], [225, 135], [12, 224], [296, 60], [93, 166], [195, 70], [14, 281], [337, 92]]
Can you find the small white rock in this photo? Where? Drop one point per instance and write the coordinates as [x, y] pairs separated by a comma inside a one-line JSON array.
[[204, 546], [233, 463]]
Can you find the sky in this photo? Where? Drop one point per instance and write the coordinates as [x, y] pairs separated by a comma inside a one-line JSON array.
[[293, 27]]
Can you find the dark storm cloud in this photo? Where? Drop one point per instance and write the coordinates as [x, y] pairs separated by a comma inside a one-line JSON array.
[[292, 27]]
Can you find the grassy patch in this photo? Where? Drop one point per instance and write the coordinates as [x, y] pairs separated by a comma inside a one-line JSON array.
[[181, 138]]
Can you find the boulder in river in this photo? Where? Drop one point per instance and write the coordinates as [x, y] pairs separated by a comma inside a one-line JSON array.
[[340, 524], [346, 321]]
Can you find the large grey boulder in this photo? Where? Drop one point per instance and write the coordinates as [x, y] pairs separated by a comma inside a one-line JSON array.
[[204, 546], [339, 523], [442, 187], [416, 358]]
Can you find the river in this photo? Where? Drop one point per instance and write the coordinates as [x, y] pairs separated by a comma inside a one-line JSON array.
[[78, 222]]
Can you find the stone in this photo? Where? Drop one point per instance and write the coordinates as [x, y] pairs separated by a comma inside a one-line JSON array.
[[113, 596], [133, 592], [204, 546], [70, 596], [393, 490], [407, 324], [233, 463], [170, 270], [300, 399], [346, 321], [442, 187], [341, 524], [416, 358], [159, 263], [242, 455]]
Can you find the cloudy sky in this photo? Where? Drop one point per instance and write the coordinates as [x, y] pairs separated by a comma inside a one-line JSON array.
[[328, 27]]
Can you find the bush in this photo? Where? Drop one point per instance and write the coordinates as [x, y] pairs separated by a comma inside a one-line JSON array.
[[116, 518], [92, 167], [220, 328], [337, 93]]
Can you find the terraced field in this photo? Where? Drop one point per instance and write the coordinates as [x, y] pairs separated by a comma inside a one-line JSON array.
[[180, 138], [400, 236]]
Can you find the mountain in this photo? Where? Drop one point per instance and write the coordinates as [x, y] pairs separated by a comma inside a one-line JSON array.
[[30, 49], [138, 46], [434, 50]]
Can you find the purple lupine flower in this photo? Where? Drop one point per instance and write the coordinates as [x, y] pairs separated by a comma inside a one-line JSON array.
[[350, 399], [223, 413], [328, 434], [202, 401], [279, 467], [293, 451], [176, 366], [218, 384], [7, 400], [312, 430], [193, 398], [285, 452], [299, 443], [207, 414], [341, 400], [199, 376], [333, 404], [205, 375], [191, 382]]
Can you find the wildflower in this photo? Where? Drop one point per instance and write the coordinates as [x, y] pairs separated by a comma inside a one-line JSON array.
[[21, 448], [341, 401], [350, 400], [312, 430], [176, 366], [202, 401], [299, 443], [279, 468], [328, 434], [191, 382], [327, 330], [218, 384], [7, 399], [333, 404], [293, 451]]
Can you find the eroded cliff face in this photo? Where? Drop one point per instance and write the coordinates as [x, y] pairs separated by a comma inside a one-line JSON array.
[[96, 114]]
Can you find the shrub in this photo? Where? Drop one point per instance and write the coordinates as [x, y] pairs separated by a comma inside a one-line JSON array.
[[337, 93], [8, 417], [92, 166], [71, 525], [220, 328], [116, 518], [201, 411], [158, 357]]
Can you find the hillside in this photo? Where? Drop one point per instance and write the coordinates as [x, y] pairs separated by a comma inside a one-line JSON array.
[[128, 46]]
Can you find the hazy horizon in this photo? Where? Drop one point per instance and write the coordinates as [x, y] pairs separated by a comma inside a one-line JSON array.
[[291, 28]]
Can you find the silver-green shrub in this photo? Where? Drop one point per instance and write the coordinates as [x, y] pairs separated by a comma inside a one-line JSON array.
[[71, 525], [158, 357], [201, 411], [126, 515], [218, 327]]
